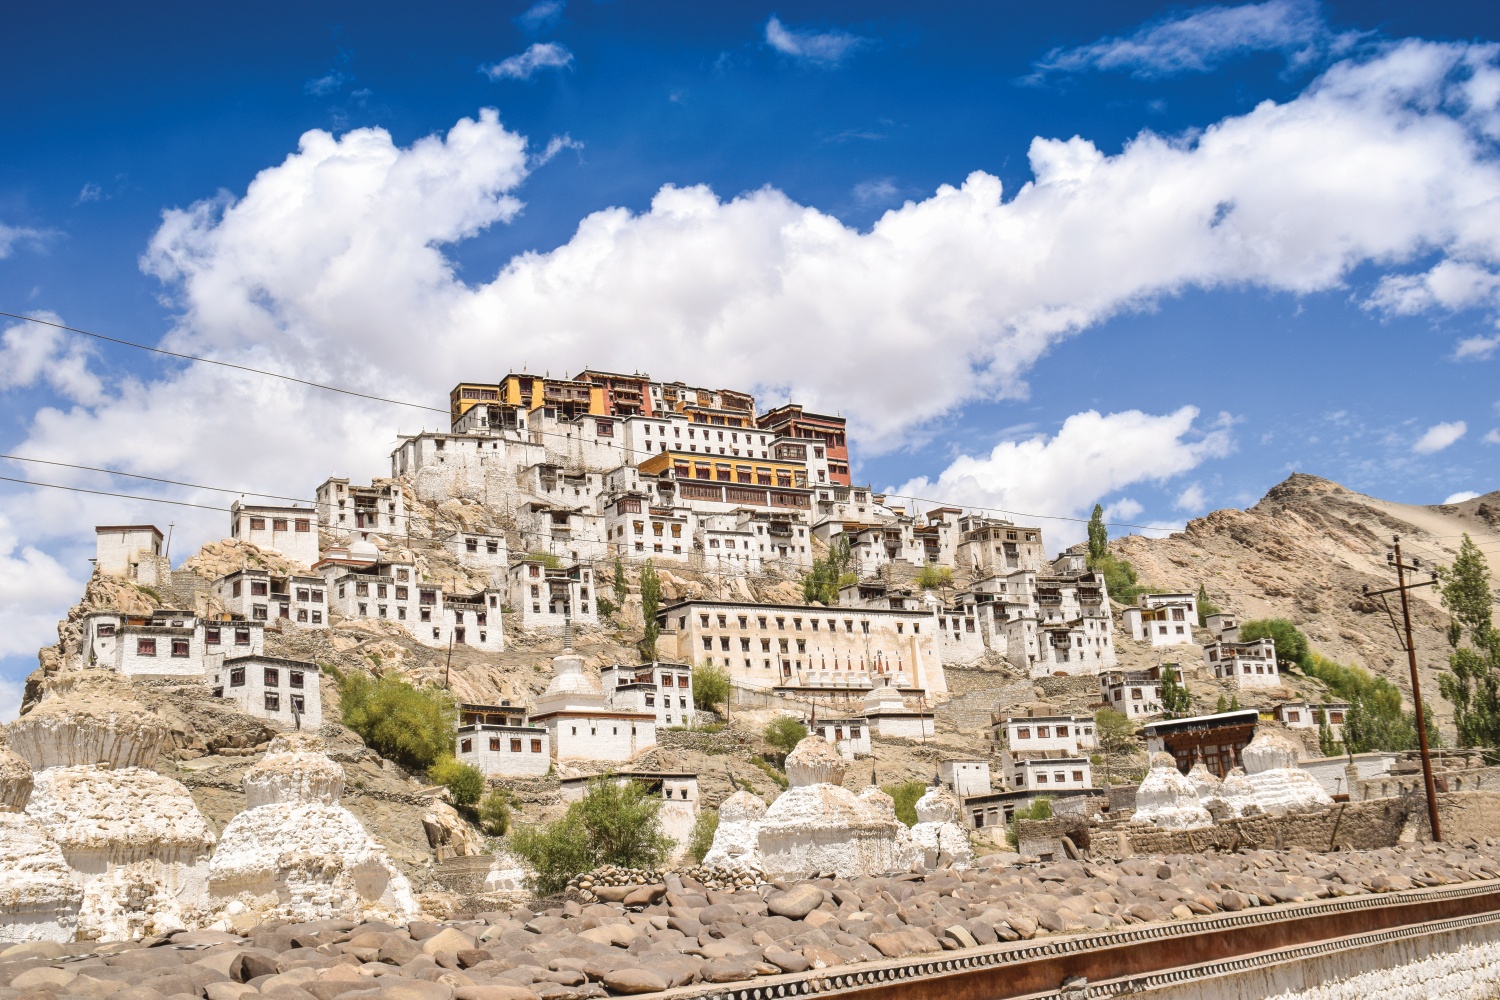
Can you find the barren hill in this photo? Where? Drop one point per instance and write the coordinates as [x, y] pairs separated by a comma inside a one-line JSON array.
[[1304, 552]]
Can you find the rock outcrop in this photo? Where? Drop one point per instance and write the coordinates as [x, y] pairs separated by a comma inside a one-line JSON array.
[[135, 837], [817, 825], [296, 853], [938, 832], [1168, 798], [40, 896]]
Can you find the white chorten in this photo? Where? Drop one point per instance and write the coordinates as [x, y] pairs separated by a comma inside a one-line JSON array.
[[817, 825], [296, 853], [908, 851], [1239, 794], [136, 836], [1167, 798], [937, 830], [1280, 785], [40, 896], [1205, 782], [736, 845]]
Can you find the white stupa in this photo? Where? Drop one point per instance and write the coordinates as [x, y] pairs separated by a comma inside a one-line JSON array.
[[296, 853], [817, 825], [1167, 798], [1280, 785], [40, 895], [938, 832], [135, 836], [736, 846]]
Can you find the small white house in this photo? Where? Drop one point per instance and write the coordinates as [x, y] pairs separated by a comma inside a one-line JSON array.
[[284, 691], [291, 531], [500, 740], [582, 723], [1039, 774], [1135, 694], [887, 714], [661, 689], [849, 736], [132, 552], [545, 596], [165, 643], [262, 596], [480, 551], [1163, 619], [1064, 734], [966, 777], [1225, 626], [1246, 664], [1306, 715]]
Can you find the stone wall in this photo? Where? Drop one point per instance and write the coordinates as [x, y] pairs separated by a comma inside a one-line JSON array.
[[734, 742], [463, 875]]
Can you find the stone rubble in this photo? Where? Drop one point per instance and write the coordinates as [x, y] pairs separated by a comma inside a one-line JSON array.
[[937, 831], [679, 932]]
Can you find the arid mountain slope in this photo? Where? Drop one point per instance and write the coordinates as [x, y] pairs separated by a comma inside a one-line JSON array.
[[1304, 552]]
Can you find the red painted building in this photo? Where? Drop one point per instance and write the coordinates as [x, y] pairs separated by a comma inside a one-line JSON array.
[[792, 421]]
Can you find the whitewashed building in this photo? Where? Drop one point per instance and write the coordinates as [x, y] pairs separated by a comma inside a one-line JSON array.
[[394, 591], [1135, 694], [1306, 715], [1043, 774], [1163, 619], [1224, 625], [166, 643], [131, 552], [966, 777], [545, 596], [1031, 734], [291, 531], [500, 740], [661, 689], [481, 551], [347, 510], [1245, 664], [849, 736], [284, 691], [581, 721], [263, 596], [888, 714]]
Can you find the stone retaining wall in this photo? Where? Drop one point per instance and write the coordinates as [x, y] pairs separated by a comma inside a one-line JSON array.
[[463, 875], [732, 742]]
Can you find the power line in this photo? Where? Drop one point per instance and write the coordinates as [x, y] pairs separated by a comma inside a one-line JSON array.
[[222, 364], [107, 493], [1051, 517], [154, 479]]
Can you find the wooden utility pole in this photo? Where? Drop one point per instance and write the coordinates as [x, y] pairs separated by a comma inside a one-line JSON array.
[[1403, 633]]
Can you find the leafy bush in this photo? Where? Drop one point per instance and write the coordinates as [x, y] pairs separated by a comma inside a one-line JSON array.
[[494, 812], [784, 733], [702, 837], [614, 824], [607, 608], [771, 772], [1120, 579], [932, 577], [411, 726], [710, 686], [1375, 720], [1292, 648], [464, 783], [1206, 606], [545, 558], [906, 795], [1039, 809]]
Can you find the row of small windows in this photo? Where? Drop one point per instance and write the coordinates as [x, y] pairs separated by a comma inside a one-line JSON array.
[[467, 745], [260, 588], [182, 647], [280, 524], [762, 620]]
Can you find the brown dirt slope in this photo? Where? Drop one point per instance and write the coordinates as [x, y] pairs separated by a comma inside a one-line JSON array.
[[1304, 552]]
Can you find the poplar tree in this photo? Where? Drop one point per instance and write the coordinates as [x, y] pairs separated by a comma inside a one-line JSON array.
[[650, 605], [1473, 681]]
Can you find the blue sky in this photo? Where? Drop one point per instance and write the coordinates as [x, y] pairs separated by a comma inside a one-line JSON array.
[[1154, 256]]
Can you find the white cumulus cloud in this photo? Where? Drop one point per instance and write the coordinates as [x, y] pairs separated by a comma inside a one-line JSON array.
[[541, 16], [1198, 40], [1192, 499], [14, 236], [823, 48], [1461, 496], [1091, 456], [541, 55], [33, 587], [1477, 348], [1439, 436], [1493, 437], [10, 699], [32, 353]]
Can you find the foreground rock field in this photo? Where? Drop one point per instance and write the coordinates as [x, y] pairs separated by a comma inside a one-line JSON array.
[[677, 932]]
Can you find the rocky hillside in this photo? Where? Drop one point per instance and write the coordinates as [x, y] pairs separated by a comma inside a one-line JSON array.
[[1305, 551]]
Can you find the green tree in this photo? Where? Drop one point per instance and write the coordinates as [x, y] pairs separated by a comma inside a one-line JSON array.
[[1221, 706], [1375, 720], [411, 726], [828, 574], [494, 812], [934, 577], [1120, 578], [1292, 649], [615, 823], [1327, 745], [622, 585], [906, 795], [702, 837], [1098, 538], [1206, 606], [465, 784], [1116, 736], [1472, 682], [784, 733], [1176, 703], [650, 605], [710, 686]]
